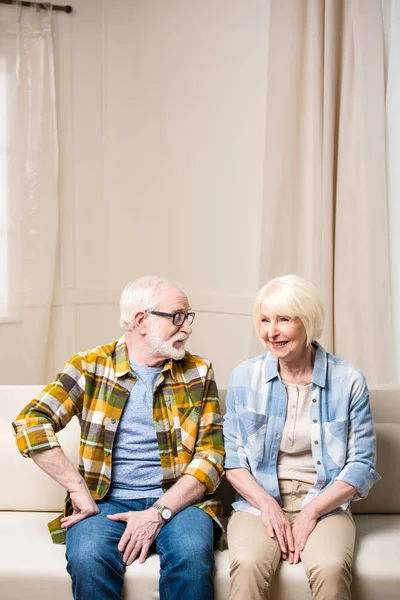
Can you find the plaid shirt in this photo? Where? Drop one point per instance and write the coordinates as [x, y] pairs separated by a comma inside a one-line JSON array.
[[95, 385]]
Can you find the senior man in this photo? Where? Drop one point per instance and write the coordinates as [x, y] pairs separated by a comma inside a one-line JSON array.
[[151, 451]]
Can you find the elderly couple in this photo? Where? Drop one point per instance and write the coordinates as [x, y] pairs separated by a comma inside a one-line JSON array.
[[299, 443]]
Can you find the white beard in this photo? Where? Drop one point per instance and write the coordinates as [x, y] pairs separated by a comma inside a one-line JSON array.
[[166, 347]]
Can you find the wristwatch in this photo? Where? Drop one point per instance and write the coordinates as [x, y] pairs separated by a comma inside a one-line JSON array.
[[165, 512]]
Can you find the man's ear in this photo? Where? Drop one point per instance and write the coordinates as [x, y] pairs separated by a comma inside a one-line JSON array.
[[140, 322]]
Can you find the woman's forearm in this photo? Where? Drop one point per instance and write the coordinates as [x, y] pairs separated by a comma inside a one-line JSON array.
[[243, 482], [333, 497]]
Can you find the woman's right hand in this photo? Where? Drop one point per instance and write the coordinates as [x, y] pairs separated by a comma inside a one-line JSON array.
[[277, 526]]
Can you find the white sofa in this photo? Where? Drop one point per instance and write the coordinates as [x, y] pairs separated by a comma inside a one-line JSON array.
[[31, 567]]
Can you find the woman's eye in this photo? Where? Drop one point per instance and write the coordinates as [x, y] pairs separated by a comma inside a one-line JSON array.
[[284, 319]]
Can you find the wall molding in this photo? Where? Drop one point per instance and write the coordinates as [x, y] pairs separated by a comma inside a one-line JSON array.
[[231, 304]]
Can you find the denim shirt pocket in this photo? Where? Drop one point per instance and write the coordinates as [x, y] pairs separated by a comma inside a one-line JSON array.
[[336, 433], [253, 429]]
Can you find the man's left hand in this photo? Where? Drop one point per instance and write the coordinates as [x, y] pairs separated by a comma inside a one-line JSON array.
[[142, 528], [303, 525]]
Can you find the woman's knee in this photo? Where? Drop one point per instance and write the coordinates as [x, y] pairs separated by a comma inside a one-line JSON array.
[[334, 575], [249, 566]]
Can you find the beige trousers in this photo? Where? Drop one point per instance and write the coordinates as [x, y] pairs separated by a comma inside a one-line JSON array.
[[327, 557]]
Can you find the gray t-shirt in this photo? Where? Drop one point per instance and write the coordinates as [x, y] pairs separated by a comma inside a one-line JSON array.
[[136, 466]]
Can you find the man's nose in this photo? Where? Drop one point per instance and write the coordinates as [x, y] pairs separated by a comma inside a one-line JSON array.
[[185, 327]]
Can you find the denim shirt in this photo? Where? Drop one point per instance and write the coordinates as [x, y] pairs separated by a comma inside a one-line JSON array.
[[341, 425]]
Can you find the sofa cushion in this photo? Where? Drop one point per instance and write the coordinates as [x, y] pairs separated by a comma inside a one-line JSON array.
[[384, 497], [29, 488], [32, 567]]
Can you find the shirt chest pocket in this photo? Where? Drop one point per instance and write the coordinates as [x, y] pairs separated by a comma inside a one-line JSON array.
[[186, 422], [253, 429], [336, 436]]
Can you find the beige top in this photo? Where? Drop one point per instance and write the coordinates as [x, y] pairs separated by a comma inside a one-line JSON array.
[[295, 456]]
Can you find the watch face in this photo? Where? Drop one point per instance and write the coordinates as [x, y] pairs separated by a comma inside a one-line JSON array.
[[166, 514]]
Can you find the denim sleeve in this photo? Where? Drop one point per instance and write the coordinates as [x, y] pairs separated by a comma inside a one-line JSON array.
[[359, 469], [235, 456]]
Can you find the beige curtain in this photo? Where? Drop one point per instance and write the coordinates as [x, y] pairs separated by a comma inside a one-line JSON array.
[[325, 204], [391, 15], [34, 179]]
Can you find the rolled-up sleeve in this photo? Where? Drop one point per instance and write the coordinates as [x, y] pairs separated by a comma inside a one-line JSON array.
[[36, 426], [235, 455], [359, 469], [207, 462]]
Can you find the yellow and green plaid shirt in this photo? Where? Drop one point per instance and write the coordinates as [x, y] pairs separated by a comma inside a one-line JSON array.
[[95, 385]]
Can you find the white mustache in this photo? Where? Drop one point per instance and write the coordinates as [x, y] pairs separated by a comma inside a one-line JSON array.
[[179, 337]]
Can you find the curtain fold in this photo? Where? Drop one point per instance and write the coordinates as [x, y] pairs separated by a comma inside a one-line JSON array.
[[34, 173], [325, 211], [391, 20]]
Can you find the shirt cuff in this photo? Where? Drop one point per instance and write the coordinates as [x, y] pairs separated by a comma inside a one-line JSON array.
[[35, 439], [206, 470], [359, 476]]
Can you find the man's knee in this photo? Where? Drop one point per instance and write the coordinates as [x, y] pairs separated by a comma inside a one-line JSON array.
[[199, 553], [84, 556]]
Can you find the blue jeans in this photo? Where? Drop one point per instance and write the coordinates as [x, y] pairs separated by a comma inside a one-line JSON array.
[[185, 546]]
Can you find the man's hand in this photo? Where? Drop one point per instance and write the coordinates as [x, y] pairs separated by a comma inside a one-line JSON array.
[[142, 528], [303, 525], [82, 503], [277, 526]]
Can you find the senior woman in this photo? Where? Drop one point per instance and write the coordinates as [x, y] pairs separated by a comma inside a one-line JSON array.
[[300, 446]]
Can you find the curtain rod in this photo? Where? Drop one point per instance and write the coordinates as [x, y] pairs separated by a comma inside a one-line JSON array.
[[43, 5]]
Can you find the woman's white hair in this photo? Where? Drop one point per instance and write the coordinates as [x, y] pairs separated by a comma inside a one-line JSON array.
[[292, 296], [140, 295]]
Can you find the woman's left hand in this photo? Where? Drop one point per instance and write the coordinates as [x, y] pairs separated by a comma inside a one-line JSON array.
[[303, 525]]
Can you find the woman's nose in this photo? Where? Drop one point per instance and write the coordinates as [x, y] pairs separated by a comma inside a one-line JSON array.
[[273, 331]]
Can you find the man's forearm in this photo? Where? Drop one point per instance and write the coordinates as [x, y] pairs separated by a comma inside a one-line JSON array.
[[186, 491], [58, 467]]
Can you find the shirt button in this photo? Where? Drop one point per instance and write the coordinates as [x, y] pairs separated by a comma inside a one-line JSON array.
[[106, 454], [113, 421], [315, 421], [316, 442], [314, 400], [318, 462]]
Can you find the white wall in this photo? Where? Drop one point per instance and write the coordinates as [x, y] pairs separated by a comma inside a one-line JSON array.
[[161, 109]]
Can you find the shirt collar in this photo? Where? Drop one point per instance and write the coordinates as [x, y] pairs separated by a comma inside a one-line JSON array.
[[319, 371], [121, 358], [122, 366]]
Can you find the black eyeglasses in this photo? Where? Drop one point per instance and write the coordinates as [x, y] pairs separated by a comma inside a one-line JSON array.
[[178, 318]]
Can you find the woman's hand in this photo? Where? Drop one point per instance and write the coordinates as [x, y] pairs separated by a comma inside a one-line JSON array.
[[303, 525], [278, 527]]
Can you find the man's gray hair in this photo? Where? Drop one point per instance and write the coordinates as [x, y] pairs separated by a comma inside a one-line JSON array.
[[140, 295]]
